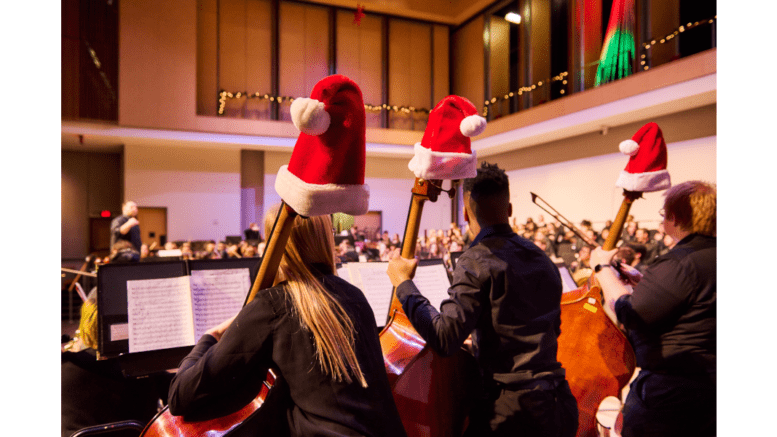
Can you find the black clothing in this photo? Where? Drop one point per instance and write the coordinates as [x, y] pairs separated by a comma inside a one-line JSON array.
[[671, 318], [566, 250], [541, 409], [125, 256], [651, 249], [95, 392], [663, 405], [217, 378], [507, 293], [252, 235], [133, 236]]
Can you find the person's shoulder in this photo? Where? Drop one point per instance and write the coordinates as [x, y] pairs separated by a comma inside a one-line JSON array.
[[339, 285], [273, 297]]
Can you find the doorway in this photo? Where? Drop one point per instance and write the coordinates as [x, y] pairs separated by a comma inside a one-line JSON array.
[[153, 226]]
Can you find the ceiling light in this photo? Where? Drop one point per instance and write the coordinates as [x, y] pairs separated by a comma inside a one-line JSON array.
[[513, 18]]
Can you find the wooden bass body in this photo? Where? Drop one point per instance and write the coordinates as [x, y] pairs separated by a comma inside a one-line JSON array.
[[597, 356]]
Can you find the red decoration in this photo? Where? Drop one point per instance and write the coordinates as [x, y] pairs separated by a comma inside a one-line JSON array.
[[357, 16]]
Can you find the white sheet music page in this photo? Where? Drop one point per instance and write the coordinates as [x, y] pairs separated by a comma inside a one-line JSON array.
[[217, 295], [159, 313], [432, 281], [344, 273], [374, 282]]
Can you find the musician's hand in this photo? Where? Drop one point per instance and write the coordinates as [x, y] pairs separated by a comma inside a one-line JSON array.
[[401, 269], [468, 345], [132, 222], [600, 256], [632, 275], [218, 331]]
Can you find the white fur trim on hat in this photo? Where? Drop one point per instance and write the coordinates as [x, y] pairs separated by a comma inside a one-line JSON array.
[[472, 125], [644, 182], [311, 200], [427, 164], [629, 147], [309, 116]]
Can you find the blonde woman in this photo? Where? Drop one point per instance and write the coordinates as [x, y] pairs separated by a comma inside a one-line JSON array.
[[315, 329]]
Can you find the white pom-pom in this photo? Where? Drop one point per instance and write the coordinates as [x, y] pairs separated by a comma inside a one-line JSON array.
[[309, 116], [629, 147], [472, 125]]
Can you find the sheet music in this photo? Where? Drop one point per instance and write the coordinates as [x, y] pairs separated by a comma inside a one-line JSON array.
[[432, 281], [216, 296], [344, 273], [373, 281], [159, 313]]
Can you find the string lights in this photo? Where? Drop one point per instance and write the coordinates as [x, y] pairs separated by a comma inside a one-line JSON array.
[[669, 37], [227, 95], [526, 89]]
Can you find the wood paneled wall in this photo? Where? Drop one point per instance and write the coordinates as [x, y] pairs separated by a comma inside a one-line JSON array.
[[467, 65], [360, 56], [410, 72], [304, 50], [90, 183], [235, 53]]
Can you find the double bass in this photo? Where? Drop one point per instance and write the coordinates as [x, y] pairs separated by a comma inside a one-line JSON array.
[[433, 393], [597, 356], [264, 407]]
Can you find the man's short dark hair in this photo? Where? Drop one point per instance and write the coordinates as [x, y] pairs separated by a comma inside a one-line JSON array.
[[489, 191], [490, 180]]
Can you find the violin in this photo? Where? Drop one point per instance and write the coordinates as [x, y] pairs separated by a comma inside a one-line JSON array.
[[433, 393]]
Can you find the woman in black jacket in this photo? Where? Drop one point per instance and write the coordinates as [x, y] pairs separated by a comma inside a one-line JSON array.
[[315, 329]]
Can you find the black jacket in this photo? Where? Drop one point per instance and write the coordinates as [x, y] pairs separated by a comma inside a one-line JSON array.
[[218, 378], [672, 313], [508, 292]]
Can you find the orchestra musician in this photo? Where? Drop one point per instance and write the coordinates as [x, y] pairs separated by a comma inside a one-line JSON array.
[[95, 392], [506, 292], [126, 226], [313, 327], [671, 321]]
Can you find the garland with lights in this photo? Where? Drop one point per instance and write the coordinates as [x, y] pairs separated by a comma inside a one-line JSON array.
[[227, 95], [526, 89], [667, 38]]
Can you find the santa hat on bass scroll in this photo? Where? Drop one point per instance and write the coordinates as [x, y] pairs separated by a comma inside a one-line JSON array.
[[326, 172], [646, 169], [445, 150]]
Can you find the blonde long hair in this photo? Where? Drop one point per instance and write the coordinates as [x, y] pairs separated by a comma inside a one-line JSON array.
[[312, 242]]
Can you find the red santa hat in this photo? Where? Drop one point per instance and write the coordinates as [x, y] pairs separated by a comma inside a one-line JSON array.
[[445, 150], [326, 172], [646, 169]]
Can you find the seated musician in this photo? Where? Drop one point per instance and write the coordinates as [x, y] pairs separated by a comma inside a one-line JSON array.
[[95, 392], [671, 320], [315, 329], [506, 292]]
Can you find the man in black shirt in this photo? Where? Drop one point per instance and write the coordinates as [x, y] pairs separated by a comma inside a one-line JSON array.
[[506, 292], [671, 321], [126, 226]]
